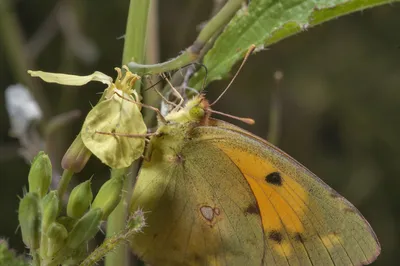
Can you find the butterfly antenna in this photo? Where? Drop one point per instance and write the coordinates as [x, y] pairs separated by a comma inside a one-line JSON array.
[[155, 84], [249, 51], [246, 120], [165, 99], [158, 91], [176, 91]]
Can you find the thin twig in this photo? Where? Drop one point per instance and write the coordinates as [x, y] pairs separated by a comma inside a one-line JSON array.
[[192, 53]]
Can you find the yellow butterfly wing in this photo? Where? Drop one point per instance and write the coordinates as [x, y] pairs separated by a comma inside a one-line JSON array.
[[217, 195], [196, 207], [305, 222]]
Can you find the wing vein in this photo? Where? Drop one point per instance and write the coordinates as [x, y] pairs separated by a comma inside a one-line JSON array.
[[222, 207], [293, 192]]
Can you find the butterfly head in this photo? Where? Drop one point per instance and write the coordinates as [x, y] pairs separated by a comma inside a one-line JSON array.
[[195, 110]]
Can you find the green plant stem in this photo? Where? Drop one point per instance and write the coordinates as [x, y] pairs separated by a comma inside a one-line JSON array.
[[134, 47], [135, 36], [192, 53], [64, 182], [135, 224], [219, 20], [151, 97], [117, 220], [187, 57]]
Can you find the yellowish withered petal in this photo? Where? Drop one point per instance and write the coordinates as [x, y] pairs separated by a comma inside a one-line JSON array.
[[115, 115], [71, 80], [125, 80]]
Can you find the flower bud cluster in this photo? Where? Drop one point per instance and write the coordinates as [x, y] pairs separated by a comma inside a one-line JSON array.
[[60, 238]]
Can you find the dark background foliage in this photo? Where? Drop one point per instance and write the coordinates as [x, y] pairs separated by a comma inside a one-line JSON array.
[[340, 98]]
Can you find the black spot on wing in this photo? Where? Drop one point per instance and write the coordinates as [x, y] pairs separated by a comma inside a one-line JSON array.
[[274, 179], [252, 209], [275, 236]]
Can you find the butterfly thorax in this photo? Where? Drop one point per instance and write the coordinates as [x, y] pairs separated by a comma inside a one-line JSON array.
[[168, 143], [172, 136]]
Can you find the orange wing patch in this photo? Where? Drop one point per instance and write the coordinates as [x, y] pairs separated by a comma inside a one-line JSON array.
[[284, 206]]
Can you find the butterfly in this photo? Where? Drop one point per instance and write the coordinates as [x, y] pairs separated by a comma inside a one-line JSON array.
[[215, 194]]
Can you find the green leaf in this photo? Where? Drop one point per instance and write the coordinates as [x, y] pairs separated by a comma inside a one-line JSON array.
[[266, 22]]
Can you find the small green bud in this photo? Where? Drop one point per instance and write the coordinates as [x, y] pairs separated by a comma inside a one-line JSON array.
[[76, 156], [40, 174], [79, 200], [57, 234], [49, 209], [109, 196], [85, 229], [68, 222], [57, 231], [29, 219]]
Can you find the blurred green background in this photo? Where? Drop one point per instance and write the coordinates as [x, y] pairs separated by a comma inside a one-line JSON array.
[[340, 95]]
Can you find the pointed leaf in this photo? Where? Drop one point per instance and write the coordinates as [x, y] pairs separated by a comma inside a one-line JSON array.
[[266, 22]]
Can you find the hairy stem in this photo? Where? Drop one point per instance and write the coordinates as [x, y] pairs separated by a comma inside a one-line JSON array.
[[134, 225], [192, 53]]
